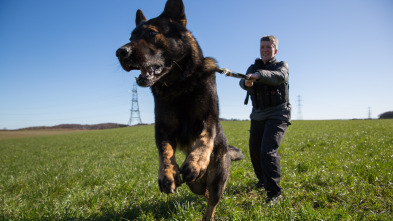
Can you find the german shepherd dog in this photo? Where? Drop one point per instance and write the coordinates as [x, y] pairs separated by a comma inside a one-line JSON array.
[[183, 84]]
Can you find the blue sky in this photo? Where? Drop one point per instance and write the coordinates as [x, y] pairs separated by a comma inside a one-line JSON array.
[[58, 63]]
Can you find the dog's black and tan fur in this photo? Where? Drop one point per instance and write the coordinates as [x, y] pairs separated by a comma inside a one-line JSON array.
[[186, 103]]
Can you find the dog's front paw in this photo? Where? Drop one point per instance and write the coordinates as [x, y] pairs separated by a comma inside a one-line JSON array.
[[193, 168], [169, 179]]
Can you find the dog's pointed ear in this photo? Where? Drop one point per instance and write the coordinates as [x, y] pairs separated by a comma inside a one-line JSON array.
[[140, 17], [174, 9]]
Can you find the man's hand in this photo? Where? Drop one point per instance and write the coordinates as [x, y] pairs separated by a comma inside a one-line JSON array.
[[253, 77]]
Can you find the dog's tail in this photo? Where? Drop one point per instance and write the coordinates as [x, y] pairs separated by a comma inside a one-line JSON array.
[[235, 153]]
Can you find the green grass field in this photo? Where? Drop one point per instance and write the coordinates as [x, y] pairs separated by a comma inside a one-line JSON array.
[[331, 170]]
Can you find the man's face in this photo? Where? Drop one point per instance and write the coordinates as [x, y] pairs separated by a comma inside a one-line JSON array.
[[267, 51]]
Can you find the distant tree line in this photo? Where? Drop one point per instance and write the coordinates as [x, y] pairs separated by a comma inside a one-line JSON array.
[[79, 127], [386, 115]]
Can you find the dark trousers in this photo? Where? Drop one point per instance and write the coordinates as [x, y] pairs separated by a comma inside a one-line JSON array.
[[265, 138]]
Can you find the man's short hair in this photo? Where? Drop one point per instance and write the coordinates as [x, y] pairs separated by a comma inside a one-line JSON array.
[[272, 39]]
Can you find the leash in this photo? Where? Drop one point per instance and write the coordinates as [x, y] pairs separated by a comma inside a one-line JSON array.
[[230, 73]]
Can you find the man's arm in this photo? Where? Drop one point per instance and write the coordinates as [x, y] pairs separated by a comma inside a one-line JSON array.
[[275, 77], [242, 81]]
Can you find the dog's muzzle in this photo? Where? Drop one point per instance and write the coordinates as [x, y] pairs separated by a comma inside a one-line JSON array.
[[123, 52], [123, 55], [150, 73]]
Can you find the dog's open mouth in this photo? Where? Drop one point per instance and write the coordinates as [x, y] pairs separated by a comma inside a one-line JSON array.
[[150, 71], [149, 75]]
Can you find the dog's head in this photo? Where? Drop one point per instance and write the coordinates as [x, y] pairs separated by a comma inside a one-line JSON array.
[[158, 46]]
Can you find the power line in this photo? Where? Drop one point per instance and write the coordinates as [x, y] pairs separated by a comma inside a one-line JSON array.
[[135, 117], [299, 106]]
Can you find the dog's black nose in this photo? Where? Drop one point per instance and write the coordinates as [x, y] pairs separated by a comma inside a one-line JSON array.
[[121, 52]]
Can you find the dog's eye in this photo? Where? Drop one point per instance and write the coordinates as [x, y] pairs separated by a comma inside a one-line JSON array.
[[152, 33]]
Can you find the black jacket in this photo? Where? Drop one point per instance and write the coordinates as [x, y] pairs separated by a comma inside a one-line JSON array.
[[270, 94]]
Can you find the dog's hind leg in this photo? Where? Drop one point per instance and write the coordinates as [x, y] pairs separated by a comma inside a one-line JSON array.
[[216, 182], [212, 184]]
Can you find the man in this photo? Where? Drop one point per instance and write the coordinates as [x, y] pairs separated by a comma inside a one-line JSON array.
[[270, 116]]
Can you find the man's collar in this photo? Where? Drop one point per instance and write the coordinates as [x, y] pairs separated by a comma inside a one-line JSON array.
[[271, 61]]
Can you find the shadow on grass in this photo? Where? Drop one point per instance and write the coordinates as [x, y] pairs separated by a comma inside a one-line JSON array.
[[152, 209], [161, 209], [164, 209], [242, 189]]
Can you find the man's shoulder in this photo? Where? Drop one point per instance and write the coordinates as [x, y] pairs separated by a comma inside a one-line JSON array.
[[282, 64]]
